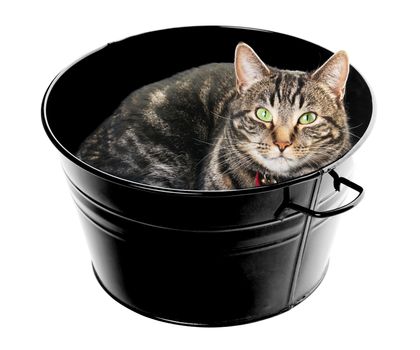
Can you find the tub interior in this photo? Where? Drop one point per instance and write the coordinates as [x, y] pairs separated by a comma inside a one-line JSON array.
[[90, 90]]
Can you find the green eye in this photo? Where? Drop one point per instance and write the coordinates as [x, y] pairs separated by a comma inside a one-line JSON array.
[[264, 115], [307, 118]]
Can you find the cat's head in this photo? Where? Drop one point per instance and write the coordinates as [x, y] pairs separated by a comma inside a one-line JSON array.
[[289, 122]]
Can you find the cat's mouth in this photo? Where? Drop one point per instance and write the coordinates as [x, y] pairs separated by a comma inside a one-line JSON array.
[[282, 156], [279, 166]]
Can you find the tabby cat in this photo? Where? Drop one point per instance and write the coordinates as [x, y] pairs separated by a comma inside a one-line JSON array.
[[226, 126]]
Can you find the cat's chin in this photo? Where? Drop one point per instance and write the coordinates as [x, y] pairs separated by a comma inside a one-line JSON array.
[[279, 166]]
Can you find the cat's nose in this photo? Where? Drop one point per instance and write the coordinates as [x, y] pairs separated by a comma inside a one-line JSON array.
[[282, 145]]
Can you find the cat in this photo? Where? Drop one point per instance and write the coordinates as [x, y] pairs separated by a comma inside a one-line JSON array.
[[224, 126]]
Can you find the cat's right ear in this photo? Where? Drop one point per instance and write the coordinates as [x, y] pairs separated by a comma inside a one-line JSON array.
[[248, 67]]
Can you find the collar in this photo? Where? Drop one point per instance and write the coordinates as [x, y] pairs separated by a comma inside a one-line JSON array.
[[263, 179]]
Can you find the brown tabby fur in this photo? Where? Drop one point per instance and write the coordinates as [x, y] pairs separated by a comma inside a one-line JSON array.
[[199, 129]]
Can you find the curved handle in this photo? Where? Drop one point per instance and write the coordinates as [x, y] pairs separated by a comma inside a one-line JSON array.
[[324, 214]]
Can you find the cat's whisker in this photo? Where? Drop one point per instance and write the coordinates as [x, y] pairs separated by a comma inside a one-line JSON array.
[[243, 163], [356, 126], [220, 116], [313, 164], [202, 141], [207, 156], [354, 135], [210, 143], [229, 150], [234, 162], [203, 158]]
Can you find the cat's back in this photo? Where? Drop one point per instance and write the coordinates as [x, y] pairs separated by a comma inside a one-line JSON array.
[[194, 90], [154, 135]]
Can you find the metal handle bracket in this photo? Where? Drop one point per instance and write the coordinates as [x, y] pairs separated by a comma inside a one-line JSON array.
[[338, 181]]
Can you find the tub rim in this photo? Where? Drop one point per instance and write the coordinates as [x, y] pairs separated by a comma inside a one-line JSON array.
[[188, 192]]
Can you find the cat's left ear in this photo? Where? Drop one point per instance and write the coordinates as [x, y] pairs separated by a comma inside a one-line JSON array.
[[334, 73], [249, 68]]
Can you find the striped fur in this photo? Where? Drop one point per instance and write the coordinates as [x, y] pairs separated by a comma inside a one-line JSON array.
[[199, 130]]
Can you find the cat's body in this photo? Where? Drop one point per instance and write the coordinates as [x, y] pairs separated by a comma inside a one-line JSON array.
[[161, 133], [207, 128]]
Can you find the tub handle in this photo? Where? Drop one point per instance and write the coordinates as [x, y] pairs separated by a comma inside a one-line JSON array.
[[325, 214]]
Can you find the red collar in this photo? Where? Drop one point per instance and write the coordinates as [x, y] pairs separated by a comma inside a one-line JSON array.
[[263, 180], [257, 179]]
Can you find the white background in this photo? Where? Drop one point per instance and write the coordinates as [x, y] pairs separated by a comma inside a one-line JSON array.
[[49, 298]]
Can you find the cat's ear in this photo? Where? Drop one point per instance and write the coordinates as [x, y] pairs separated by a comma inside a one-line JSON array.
[[334, 73], [248, 67]]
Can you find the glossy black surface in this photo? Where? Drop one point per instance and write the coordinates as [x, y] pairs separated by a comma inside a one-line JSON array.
[[193, 257]]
